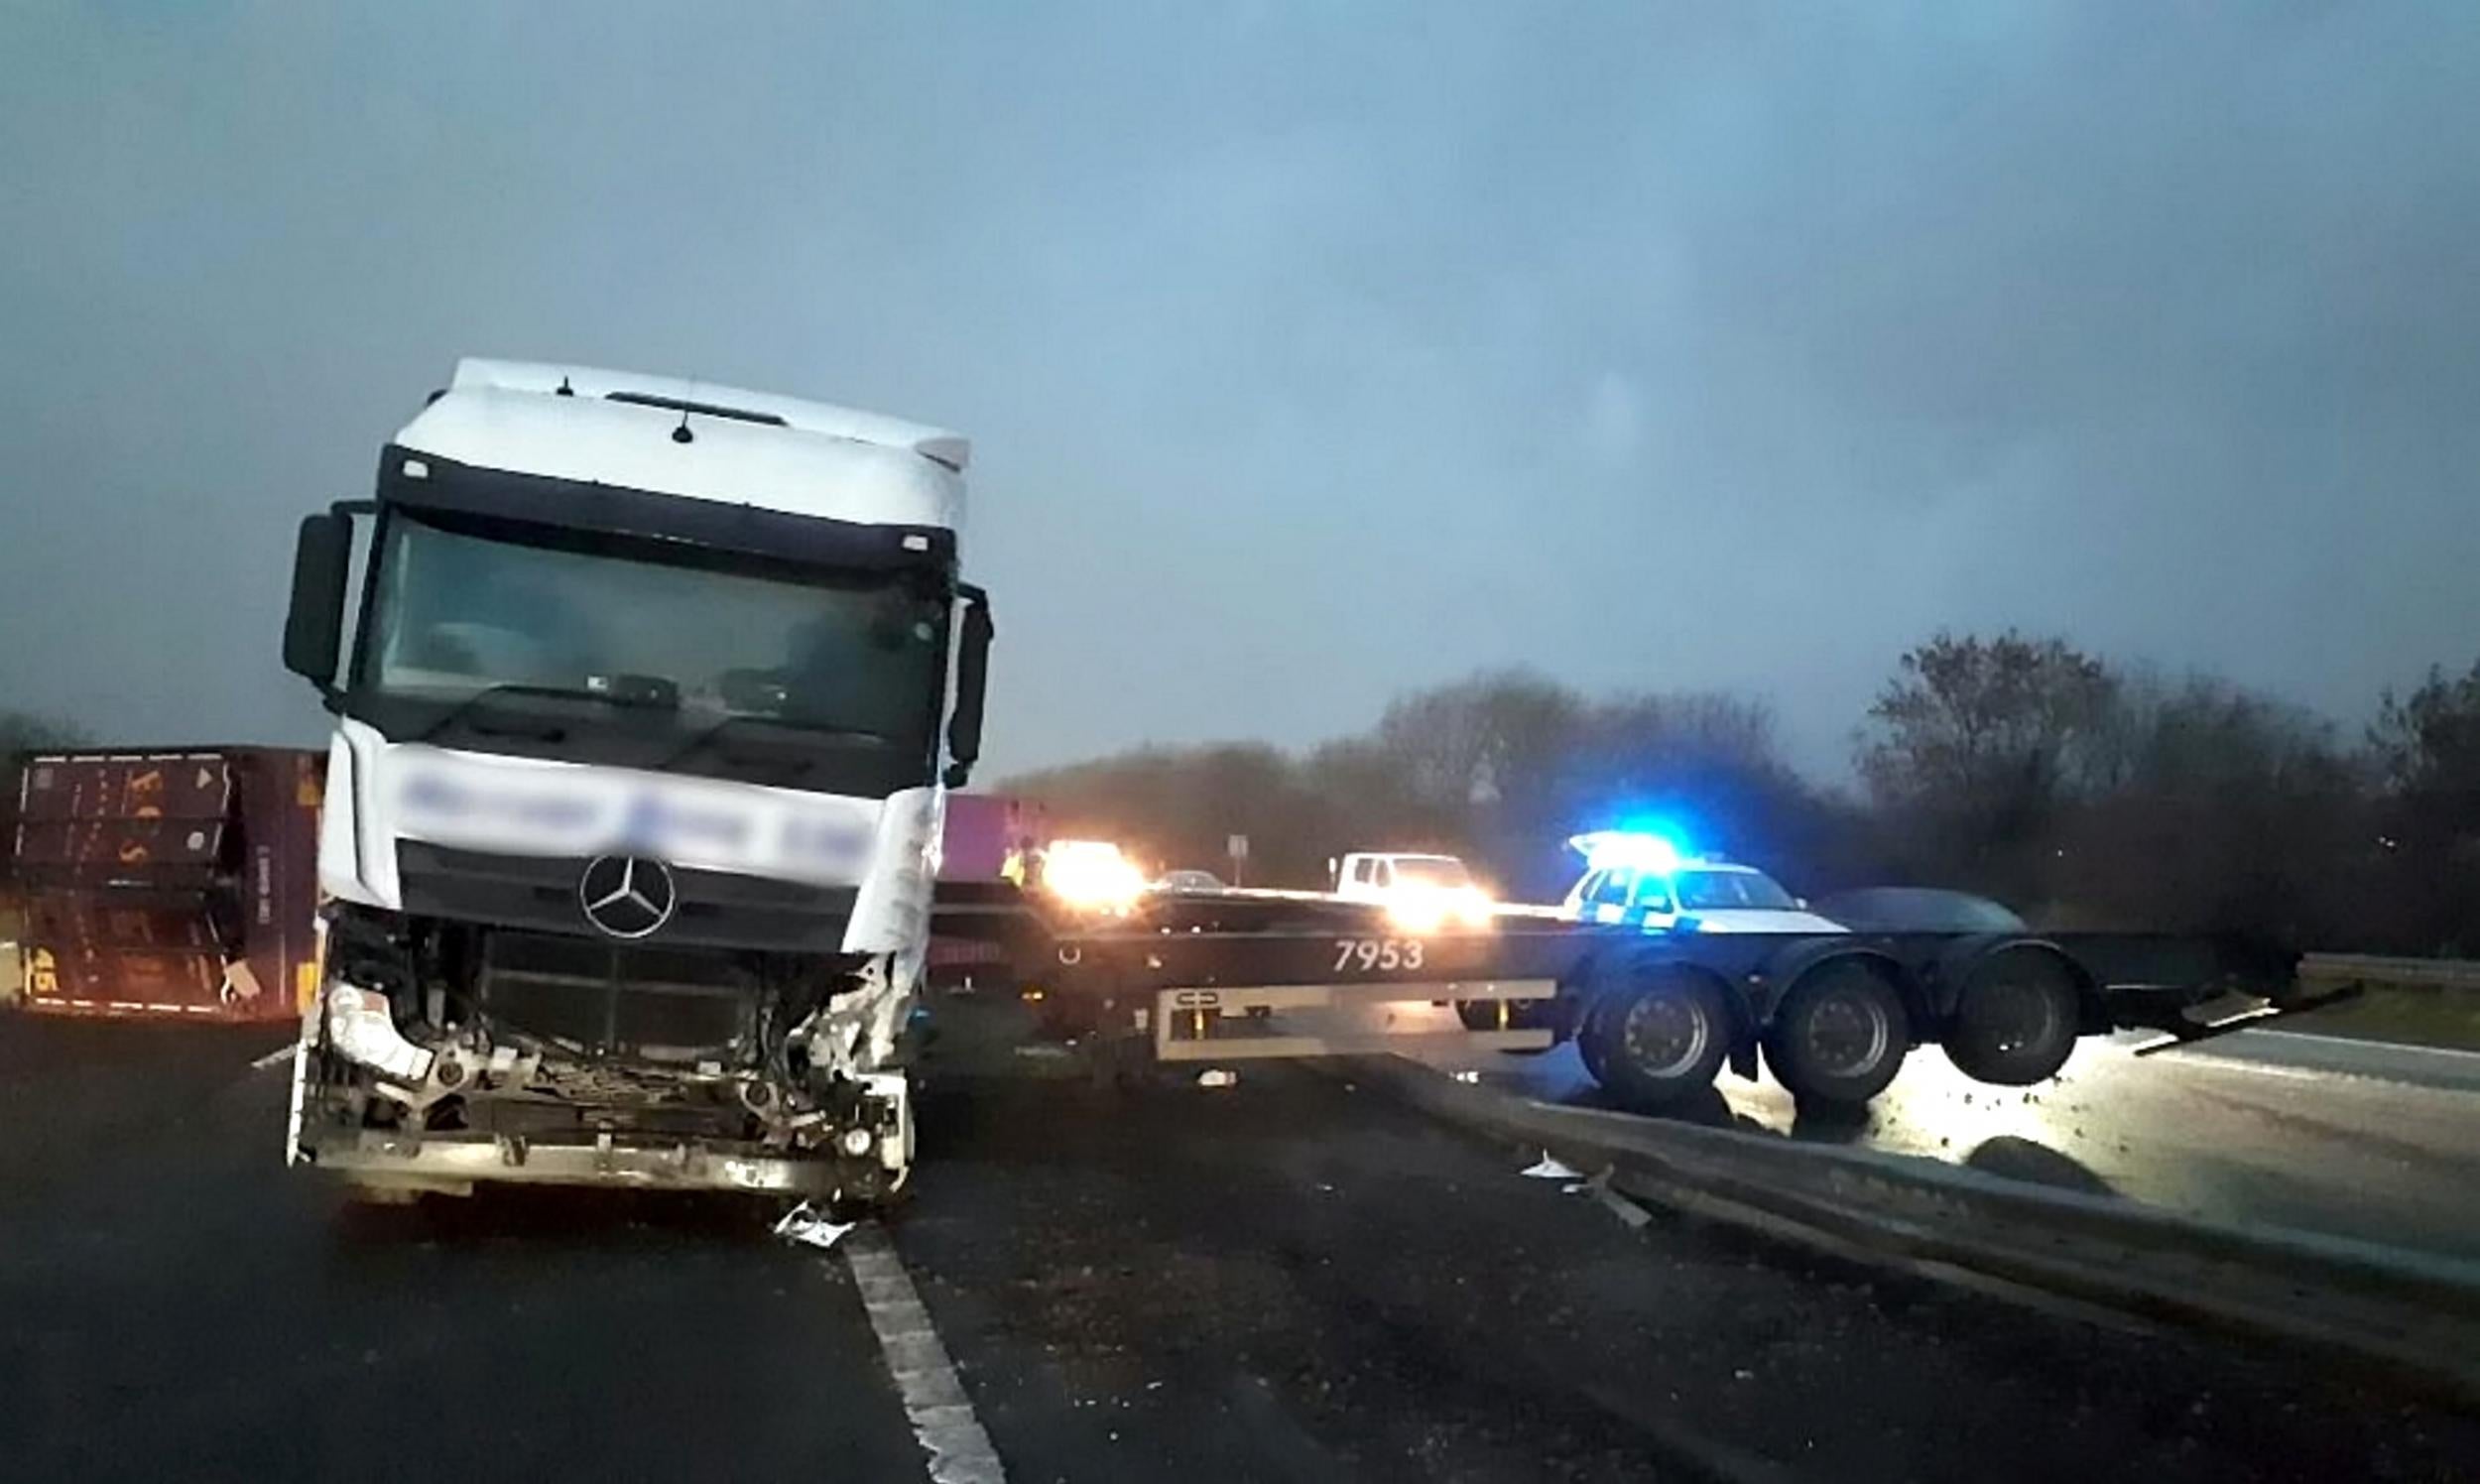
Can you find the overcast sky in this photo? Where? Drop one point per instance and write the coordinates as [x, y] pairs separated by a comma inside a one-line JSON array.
[[1310, 353]]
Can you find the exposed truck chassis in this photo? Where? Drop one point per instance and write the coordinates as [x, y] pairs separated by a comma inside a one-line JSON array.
[[1655, 1015], [459, 1090]]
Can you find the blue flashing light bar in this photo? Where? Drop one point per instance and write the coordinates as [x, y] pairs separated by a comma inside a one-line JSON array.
[[1606, 849]]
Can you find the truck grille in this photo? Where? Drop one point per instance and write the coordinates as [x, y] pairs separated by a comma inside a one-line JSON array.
[[651, 1004], [717, 908]]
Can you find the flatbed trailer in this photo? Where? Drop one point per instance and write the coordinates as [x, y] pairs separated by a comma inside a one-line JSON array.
[[1656, 1016]]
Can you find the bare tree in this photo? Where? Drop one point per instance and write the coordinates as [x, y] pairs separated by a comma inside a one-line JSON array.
[[2220, 808], [1977, 742], [1460, 747], [2426, 745]]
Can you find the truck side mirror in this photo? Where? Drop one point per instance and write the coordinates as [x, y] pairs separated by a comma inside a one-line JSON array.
[[314, 627], [965, 729]]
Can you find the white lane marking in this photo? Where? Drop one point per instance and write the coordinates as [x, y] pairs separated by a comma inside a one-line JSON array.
[[2404, 1074], [281, 1053], [934, 1398], [2279, 1069], [2376, 1049]]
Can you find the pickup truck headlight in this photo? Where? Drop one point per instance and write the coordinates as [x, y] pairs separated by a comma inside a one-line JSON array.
[[361, 1029]]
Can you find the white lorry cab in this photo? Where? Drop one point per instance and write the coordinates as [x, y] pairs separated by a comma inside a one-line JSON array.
[[650, 698], [1422, 892], [1642, 880]]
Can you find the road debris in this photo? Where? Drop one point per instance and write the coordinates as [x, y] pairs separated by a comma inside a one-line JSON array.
[[1219, 1077], [1548, 1168], [806, 1224], [281, 1053]]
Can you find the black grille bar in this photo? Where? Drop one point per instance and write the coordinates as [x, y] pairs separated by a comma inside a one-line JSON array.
[[716, 908]]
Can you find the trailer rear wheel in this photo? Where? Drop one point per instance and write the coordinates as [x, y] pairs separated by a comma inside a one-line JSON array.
[[1663, 1036], [1838, 1036], [1503, 1015], [1483, 1015], [1590, 1042], [2015, 1022]]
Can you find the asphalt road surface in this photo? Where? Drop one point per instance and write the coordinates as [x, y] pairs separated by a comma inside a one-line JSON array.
[[1293, 1278], [2348, 1138]]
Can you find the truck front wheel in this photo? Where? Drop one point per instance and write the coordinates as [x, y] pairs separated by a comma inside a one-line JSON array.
[[1838, 1036], [1659, 1036]]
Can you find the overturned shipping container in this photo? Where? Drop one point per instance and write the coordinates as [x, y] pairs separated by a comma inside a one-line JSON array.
[[174, 885]]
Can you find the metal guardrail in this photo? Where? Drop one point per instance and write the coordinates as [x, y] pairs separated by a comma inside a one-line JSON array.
[[2378, 972], [2414, 1314]]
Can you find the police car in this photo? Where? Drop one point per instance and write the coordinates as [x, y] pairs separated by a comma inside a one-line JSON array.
[[1646, 880]]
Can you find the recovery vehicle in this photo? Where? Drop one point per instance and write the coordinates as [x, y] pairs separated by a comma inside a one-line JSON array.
[[1655, 1004]]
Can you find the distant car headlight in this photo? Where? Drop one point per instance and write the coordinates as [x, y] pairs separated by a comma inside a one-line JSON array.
[[362, 1030]]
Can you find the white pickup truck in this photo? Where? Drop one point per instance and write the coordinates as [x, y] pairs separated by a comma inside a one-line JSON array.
[[1423, 893]]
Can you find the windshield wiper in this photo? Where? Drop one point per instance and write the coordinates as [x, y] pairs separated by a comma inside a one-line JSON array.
[[791, 751], [517, 690]]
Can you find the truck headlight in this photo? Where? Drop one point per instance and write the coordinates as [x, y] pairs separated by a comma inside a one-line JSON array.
[[361, 1029]]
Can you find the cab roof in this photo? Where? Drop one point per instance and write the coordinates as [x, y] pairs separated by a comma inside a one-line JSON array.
[[618, 428], [936, 444]]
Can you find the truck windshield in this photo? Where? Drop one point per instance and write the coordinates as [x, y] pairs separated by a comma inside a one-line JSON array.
[[682, 641], [1715, 890]]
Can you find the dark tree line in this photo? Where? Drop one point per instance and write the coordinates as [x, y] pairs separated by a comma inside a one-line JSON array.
[[1500, 768], [2083, 793]]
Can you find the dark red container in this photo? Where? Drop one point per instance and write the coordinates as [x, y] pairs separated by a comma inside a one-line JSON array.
[[174, 885], [982, 832]]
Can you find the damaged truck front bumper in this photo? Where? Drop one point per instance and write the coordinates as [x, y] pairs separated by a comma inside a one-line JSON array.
[[450, 1161]]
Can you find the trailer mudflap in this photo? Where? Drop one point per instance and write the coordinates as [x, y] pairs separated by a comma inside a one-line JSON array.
[[2181, 1031]]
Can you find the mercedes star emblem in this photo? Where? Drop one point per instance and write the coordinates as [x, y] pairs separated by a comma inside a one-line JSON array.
[[627, 896]]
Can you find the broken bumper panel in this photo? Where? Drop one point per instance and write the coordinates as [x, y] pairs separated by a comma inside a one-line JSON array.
[[445, 1160]]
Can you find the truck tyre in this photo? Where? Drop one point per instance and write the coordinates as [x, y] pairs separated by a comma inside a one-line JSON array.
[[1839, 1037], [1484, 1015], [1590, 1042], [1663, 1036], [376, 1196], [2015, 1022]]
